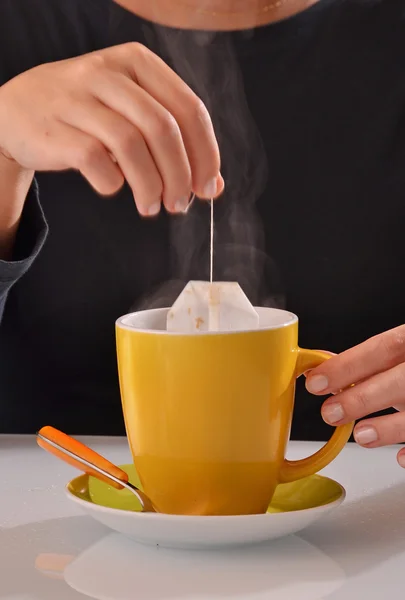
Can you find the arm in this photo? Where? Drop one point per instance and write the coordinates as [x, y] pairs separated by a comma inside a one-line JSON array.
[[23, 228]]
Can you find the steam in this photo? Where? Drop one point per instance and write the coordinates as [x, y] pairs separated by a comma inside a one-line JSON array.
[[208, 63]]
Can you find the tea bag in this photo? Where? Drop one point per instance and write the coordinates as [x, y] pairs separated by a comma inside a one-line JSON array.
[[212, 305], [218, 306]]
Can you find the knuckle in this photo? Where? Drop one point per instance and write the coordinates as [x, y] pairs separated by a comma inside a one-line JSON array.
[[398, 382], [398, 431], [393, 430], [197, 111], [165, 126], [136, 51], [392, 343], [137, 48], [89, 154], [128, 139], [347, 370], [89, 64], [357, 402]]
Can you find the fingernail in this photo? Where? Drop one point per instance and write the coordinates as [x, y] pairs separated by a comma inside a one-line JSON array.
[[182, 204], [317, 383], [210, 188], [154, 209], [365, 435], [401, 460], [332, 413]]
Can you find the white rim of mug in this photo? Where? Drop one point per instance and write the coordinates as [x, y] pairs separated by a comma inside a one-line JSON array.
[[287, 323]]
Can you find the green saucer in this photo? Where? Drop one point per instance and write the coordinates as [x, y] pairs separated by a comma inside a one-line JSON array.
[[311, 492]]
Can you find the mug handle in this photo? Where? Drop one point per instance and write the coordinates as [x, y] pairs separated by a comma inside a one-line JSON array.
[[291, 470]]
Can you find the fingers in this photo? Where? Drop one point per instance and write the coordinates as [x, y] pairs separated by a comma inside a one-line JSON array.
[[68, 148], [372, 377], [197, 131], [126, 143], [401, 458], [95, 164], [374, 356], [377, 393], [202, 151], [159, 130], [381, 431], [121, 113]]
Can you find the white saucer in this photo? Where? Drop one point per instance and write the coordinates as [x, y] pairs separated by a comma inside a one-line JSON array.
[[294, 507]]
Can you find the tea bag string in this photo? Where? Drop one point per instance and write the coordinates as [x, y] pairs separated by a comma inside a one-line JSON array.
[[212, 241], [211, 234]]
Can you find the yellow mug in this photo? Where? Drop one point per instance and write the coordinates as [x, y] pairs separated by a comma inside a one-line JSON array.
[[208, 415]]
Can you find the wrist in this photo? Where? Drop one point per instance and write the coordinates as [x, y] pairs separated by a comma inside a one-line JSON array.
[[15, 182]]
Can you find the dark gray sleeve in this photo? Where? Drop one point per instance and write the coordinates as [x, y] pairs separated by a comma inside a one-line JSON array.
[[31, 236]]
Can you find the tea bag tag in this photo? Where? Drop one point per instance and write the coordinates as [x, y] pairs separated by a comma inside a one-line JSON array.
[[218, 306]]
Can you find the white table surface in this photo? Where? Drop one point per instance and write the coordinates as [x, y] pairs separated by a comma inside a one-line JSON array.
[[50, 550]]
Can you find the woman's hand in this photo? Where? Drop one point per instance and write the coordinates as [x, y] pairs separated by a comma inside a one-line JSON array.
[[377, 367], [114, 115]]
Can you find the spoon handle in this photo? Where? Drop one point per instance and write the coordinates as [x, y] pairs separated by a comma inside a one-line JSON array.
[[80, 456]]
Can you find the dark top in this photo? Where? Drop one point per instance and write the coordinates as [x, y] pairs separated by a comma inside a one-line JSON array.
[[310, 115]]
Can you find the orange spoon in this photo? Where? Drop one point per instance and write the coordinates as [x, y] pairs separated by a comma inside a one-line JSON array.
[[87, 460]]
